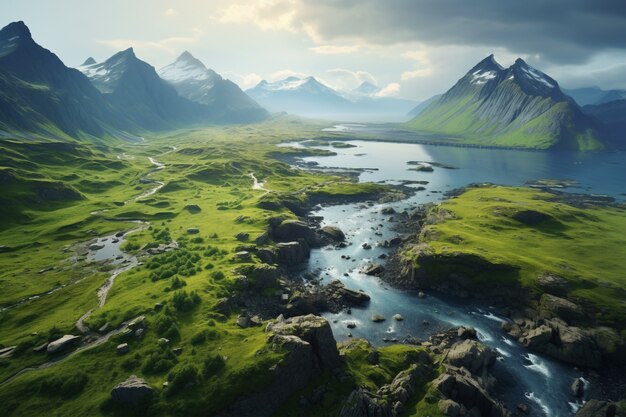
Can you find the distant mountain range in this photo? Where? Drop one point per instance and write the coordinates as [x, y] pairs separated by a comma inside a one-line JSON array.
[[594, 95], [518, 106], [41, 97], [310, 98]]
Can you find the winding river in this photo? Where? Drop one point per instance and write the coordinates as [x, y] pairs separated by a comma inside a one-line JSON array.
[[532, 379]]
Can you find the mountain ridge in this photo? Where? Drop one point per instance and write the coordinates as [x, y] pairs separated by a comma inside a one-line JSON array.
[[518, 106]]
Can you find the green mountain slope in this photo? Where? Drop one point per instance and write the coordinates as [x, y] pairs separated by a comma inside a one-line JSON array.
[[40, 96], [515, 107]]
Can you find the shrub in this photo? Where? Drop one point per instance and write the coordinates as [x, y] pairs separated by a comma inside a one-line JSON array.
[[184, 301], [158, 362], [213, 364], [64, 386], [180, 377]]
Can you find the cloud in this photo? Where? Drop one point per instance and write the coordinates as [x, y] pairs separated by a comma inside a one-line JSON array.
[[419, 73], [391, 89], [285, 73], [345, 79], [170, 12], [265, 14], [335, 49], [172, 45], [244, 81], [557, 31]]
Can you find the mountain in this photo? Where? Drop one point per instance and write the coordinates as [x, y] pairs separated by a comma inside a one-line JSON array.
[[422, 106], [194, 81], [594, 95], [518, 106], [310, 98], [613, 116], [301, 96], [134, 87], [40, 96], [366, 89]]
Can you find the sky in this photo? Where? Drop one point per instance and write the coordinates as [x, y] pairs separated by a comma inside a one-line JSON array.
[[410, 48]]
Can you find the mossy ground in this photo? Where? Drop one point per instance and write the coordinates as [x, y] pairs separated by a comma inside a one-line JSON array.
[[209, 170], [582, 245]]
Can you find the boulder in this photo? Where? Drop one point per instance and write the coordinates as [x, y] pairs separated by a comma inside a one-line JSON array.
[[350, 297], [553, 284], [449, 408], [373, 269], [595, 408], [575, 346], [122, 348], [242, 236], [561, 308], [62, 343], [472, 355], [538, 338], [314, 330], [293, 253], [260, 276], [334, 233], [377, 318], [131, 391], [267, 255], [243, 256], [292, 230], [193, 230], [466, 333], [262, 239], [577, 389], [398, 317]]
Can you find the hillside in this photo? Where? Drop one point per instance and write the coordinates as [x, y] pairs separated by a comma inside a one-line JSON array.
[[517, 107], [612, 114], [41, 97]]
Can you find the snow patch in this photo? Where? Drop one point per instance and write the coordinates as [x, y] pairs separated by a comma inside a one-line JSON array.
[[481, 77], [537, 76]]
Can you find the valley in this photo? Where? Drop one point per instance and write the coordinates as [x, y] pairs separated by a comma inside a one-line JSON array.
[[178, 241]]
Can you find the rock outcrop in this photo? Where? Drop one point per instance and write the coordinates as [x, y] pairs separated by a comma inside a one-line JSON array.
[[132, 391], [62, 343], [311, 349], [595, 408]]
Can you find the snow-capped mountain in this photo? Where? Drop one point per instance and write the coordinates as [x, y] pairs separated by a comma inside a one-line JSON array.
[[517, 106], [310, 98], [200, 84], [134, 87]]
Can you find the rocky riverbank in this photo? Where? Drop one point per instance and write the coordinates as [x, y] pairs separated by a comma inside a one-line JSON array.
[[544, 317]]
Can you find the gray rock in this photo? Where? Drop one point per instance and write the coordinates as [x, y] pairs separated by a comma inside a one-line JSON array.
[[243, 256], [373, 269], [131, 391], [333, 233], [561, 308], [242, 236], [62, 343], [267, 255], [193, 230], [553, 284], [292, 230], [595, 408], [577, 389], [538, 338], [122, 348], [377, 318], [471, 355], [293, 253], [398, 317], [449, 408]]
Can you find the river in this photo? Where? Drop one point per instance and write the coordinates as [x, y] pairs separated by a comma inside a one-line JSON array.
[[524, 377]]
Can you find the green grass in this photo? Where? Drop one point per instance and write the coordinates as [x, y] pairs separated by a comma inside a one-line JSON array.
[[209, 169], [582, 245]]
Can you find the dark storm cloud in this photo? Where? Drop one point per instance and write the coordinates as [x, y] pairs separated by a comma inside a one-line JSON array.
[[560, 31]]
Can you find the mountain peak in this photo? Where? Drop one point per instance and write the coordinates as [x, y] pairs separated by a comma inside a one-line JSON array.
[[185, 56], [488, 64], [88, 61], [15, 29]]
